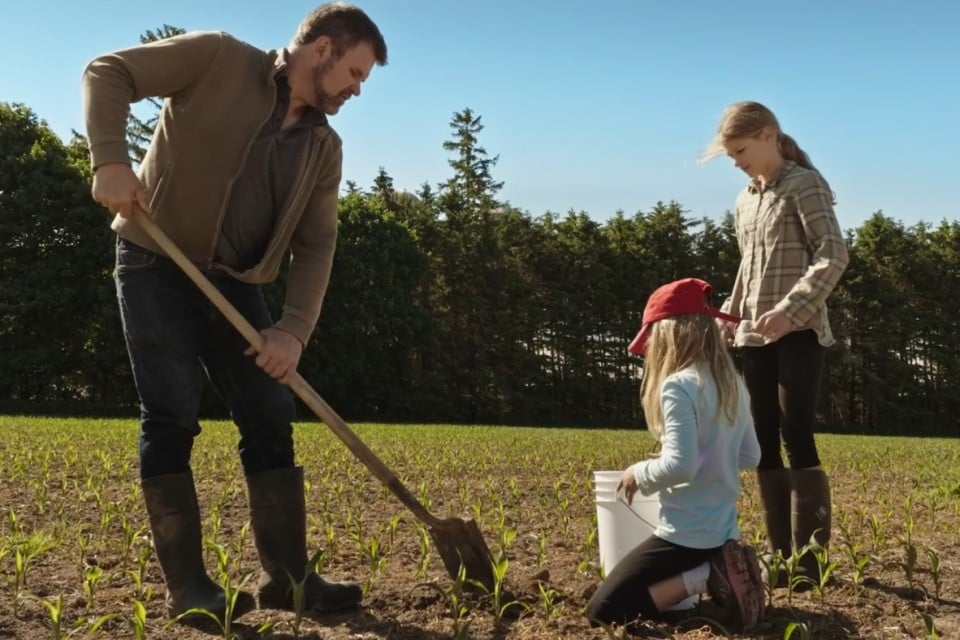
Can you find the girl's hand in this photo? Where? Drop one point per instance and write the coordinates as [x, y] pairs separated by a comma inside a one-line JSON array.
[[773, 325], [628, 483], [727, 330]]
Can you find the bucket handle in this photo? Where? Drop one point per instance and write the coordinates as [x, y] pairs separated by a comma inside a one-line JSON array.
[[621, 500]]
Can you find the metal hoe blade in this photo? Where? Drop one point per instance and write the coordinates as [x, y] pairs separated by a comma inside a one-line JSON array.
[[459, 542]]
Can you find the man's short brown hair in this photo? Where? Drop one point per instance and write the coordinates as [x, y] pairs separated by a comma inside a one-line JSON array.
[[346, 26]]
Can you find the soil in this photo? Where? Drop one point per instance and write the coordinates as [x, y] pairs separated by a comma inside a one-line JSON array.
[[348, 509]]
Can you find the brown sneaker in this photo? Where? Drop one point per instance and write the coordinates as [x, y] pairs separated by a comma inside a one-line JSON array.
[[734, 583]]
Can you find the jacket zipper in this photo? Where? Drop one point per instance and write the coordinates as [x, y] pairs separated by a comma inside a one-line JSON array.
[[226, 198]]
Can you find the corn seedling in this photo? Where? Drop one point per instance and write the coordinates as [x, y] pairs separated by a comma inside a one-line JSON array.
[[138, 621], [589, 546], [499, 516], [83, 547], [541, 550], [565, 517], [130, 535], [139, 575], [935, 572], [231, 589], [795, 576], [236, 547], [375, 560], [797, 627], [908, 521], [392, 528], [909, 563], [13, 522], [59, 630], [55, 617], [40, 497], [105, 518], [773, 564], [105, 461], [458, 608], [215, 524], [499, 566], [824, 564], [423, 540], [514, 488], [355, 532], [94, 492], [477, 508], [859, 562], [930, 627], [841, 521], [877, 536], [423, 496], [91, 579], [299, 588], [26, 551], [500, 603], [330, 535], [549, 600]]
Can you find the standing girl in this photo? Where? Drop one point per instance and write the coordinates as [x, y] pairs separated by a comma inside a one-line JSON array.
[[697, 407], [792, 256]]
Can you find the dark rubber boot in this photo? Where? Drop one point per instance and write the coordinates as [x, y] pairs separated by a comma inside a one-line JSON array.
[[811, 514], [278, 516], [775, 498], [175, 523]]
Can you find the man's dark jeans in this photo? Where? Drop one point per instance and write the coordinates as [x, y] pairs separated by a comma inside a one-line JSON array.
[[174, 335]]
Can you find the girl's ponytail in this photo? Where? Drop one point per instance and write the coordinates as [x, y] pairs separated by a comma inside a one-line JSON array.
[[790, 150]]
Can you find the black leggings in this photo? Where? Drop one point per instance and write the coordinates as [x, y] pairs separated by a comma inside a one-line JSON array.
[[625, 594], [784, 380]]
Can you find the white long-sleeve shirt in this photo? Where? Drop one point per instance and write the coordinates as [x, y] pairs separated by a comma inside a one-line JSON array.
[[698, 470]]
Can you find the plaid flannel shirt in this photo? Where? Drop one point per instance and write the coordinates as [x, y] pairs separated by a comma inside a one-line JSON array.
[[792, 253]]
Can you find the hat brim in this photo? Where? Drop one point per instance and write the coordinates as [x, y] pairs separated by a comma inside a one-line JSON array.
[[639, 344], [725, 316]]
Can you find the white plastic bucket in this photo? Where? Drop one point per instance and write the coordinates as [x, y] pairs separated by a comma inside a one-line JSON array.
[[620, 526]]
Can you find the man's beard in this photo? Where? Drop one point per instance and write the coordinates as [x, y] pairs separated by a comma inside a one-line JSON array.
[[323, 101]]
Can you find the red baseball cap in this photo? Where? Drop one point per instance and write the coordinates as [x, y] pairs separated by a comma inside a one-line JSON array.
[[681, 297]]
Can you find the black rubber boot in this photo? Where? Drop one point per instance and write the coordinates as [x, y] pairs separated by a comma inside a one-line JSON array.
[[175, 523], [811, 514], [775, 498], [278, 516]]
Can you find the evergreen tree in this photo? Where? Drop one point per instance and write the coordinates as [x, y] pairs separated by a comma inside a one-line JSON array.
[[56, 304]]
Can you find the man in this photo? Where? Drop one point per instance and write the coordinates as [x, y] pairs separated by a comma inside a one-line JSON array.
[[243, 167]]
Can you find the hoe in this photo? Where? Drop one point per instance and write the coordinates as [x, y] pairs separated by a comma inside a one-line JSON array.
[[459, 542]]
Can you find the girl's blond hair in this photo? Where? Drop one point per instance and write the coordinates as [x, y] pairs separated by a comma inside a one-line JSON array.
[[747, 119], [680, 342]]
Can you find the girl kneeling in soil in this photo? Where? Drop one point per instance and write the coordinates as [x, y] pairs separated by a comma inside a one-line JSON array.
[[698, 408]]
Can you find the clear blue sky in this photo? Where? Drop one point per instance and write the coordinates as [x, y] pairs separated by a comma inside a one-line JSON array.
[[592, 106]]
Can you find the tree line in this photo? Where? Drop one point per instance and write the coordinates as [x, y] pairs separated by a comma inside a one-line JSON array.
[[448, 304]]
